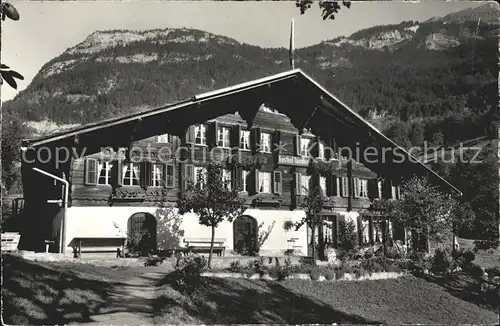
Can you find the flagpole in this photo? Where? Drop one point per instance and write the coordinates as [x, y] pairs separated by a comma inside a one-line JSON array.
[[292, 45]]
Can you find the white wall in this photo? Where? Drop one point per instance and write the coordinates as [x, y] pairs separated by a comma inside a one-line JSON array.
[[105, 221]]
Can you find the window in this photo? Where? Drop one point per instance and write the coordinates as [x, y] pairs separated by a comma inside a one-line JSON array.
[[157, 180], [104, 169], [244, 180], [264, 182], [304, 184], [226, 178], [200, 134], [321, 150], [200, 171], [131, 174], [379, 186], [170, 176], [361, 188], [245, 139], [344, 186], [277, 182], [304, 146], [165, 138], [265, 142], [223, 137], [91, 170], [395, 192], [322, 184]]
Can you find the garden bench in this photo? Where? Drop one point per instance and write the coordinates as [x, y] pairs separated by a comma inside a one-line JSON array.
[[10, 241], [97, 245], [203, 245]]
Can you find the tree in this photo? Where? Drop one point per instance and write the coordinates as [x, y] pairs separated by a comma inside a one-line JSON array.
[[169, 232], [212, 200], [8, 10], [417, 134], [461, 217], [384, 208], [313, 205], [424, 210], [330, 8]]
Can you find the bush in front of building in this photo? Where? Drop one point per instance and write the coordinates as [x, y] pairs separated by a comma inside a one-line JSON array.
[[441, 262], [464, 258], [187, 275]]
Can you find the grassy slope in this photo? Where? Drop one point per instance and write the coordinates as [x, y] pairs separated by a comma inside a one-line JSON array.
[[49, 293], [408, 300]]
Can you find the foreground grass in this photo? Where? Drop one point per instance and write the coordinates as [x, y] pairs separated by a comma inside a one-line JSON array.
[[55, 293], [484, 258], [397, 301]]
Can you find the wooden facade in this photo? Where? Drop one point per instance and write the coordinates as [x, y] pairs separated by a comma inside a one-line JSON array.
[[175, 157]]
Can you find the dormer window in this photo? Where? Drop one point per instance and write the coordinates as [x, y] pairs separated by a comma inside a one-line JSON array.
[[223, 137], [304, 146], [165, 138], [245, 139]]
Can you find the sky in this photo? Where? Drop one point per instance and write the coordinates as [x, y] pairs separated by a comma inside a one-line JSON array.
[[47, 28]]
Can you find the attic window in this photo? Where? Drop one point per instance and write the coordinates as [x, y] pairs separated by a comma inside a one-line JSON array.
[[165, 138]]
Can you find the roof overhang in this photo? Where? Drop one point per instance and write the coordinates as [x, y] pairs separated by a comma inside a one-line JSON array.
[[293, 93]]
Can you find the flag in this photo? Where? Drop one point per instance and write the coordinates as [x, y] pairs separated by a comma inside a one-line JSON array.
[[292, 47]]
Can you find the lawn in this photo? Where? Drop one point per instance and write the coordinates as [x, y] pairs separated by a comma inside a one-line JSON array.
[[396, 301], [49, 293], [484, 258]]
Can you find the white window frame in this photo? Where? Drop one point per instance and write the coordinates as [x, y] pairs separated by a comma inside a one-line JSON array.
[[244, 177], [245, 139], [322, 184], [132, 176], [106, 167], [264, 182], [157, 176], [305, 181], [204, 173], [201, 131], [226, 177], [165, 138], [223, 138], [265, 142], [363, 188], [321, 151], [305, 142], [344, 187]]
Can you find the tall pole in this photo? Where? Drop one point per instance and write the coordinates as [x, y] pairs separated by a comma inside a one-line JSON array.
[[292, 45]]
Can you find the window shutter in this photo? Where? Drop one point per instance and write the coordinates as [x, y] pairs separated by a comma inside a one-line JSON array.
[[277, 182], [386, 189], [235, 136], [190, 135], [236, 178], [275, 146], [212, 134], [188, 175], [372, 188], [169, 182], [91, 173], [296, 145], [145, 174], [298, 186], [255, 135], [256, 181]]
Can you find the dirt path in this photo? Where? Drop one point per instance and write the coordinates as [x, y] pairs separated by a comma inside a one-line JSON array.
[[130, 304]]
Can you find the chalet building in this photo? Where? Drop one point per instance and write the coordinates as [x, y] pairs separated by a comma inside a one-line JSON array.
[[274, 137]]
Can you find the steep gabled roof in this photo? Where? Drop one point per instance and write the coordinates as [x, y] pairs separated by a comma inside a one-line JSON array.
[[293, 93]]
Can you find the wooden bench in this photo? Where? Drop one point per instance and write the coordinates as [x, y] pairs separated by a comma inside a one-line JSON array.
[[97, 245], [203, 245], [10, 241]]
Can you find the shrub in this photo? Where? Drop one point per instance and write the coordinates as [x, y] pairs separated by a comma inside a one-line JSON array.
[[315, 274], [257, 266], [358, 272], [464, 258], [329, 275], [235, 267], [339, 273], [188, 272], [372, 265], [153, 261], [306, 261], [440, 263], [285, 270], [418, 263]]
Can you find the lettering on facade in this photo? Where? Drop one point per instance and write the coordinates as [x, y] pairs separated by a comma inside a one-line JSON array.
[[293, 160]]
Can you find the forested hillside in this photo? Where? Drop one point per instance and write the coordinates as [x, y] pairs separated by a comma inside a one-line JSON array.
[[434, 81]]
